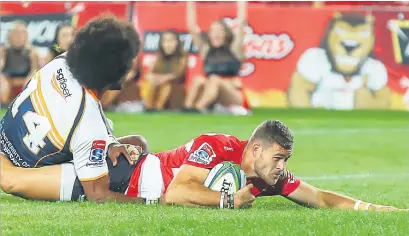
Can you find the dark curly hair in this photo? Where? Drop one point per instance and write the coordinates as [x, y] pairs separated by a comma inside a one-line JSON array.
[[102, 53]]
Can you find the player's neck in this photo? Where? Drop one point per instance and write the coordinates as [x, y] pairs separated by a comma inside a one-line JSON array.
[[247, 163], [94, 93]]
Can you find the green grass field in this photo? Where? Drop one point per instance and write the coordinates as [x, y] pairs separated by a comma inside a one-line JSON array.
[[361, 154]]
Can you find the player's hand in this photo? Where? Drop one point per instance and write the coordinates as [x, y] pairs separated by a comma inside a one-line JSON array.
[[386, 208], [130, 152], [244, 198]]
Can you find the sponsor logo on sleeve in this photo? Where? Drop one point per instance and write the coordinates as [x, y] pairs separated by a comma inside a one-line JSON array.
[[97, 151], [203, 155], [97, 154], [228, 148]]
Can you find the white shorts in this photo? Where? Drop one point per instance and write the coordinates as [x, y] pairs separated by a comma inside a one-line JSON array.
[[150, 181], [68, 176]]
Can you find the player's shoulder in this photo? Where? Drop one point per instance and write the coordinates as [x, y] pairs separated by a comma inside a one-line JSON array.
[[218, 138], [58, 93], [58, 82], [93, 114], [221, 143], [91, 125]]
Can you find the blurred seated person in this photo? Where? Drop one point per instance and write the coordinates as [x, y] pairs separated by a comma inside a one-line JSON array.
[[223, 55], [64, 34], [167, 75], [126, 97], [18, 62]]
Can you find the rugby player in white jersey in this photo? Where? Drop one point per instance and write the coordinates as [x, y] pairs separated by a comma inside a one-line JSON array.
[[57, 118], [176, 176]]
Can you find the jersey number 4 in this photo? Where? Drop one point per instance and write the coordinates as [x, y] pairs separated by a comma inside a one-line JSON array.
[[38, 126]]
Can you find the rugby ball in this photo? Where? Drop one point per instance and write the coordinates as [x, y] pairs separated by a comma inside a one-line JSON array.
[[227, 177]]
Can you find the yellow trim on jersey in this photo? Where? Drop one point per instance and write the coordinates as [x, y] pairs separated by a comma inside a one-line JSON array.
[[82, 115], [93, 94], [42, 158], [95, 178], [53, 135], [39, 110]]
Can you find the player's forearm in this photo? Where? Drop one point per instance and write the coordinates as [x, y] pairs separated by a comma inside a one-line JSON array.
[[328, 199], [310, 196], [98, 191], [337, 201], [192, 194]]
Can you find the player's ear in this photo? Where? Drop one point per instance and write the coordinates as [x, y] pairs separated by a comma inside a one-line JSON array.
[[256, 148]]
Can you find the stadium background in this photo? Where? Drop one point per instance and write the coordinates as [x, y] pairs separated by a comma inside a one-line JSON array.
[[278, 33], [360, 153]]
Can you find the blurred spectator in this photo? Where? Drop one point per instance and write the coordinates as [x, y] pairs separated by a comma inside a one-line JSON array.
[[222, 51], [64, 35], [167, 74], [18, 62], [125, 97]]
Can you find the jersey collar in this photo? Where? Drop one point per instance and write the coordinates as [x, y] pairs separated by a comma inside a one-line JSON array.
[[93, 93]]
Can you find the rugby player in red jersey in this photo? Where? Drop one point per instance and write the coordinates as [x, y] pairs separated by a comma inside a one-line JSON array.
[[177, 176]]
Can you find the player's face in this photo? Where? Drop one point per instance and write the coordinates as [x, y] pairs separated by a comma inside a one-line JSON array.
[[169, 43], [217, 34], [270, 161]]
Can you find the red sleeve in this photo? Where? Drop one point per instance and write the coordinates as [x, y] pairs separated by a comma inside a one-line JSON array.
[[289, 183], [284, 186], [204, 152]]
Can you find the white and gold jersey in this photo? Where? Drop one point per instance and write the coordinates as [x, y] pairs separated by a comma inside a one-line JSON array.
[[56, 120]]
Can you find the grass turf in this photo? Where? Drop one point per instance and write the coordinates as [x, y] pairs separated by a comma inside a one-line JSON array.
[[326, 143]]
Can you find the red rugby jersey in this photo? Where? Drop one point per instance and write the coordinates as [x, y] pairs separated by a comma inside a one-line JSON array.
[[206, 151]]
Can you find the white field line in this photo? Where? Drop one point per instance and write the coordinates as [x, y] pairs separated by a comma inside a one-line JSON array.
[[349, 130], [354, 176]]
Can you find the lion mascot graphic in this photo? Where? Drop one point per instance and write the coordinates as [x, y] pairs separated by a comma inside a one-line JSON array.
[[341, 73]]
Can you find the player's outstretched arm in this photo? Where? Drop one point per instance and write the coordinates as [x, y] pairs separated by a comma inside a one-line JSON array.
[[311, 196], [187, 189]]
